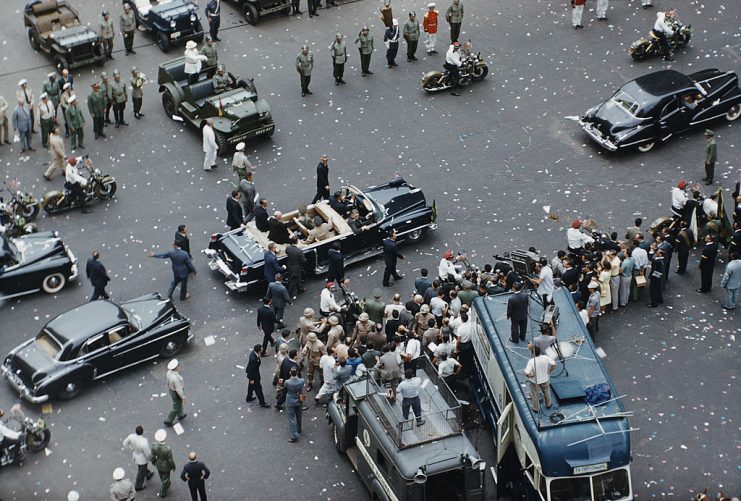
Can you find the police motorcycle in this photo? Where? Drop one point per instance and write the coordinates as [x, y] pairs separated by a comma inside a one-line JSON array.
[[21, 203], [99, 187], [14, 225], [473, 69], [642, 49], [33, 436]]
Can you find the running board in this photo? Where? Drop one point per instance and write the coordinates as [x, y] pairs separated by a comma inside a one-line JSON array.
[[11, 296]]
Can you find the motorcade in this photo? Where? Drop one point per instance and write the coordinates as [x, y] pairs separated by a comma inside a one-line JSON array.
[[655, 107], [92, 341], [577, 449], [171, 21], [34, 262], [644, 48], [55, 28], [99, 186], [238, 114], [473, 69], [398, 459], [396, 205]]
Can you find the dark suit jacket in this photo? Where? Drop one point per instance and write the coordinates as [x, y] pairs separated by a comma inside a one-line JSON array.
[[295, 260], [234, 216], [271, 266], [181, 263], [193, 471], [278, 293], [253, 367], [322, 176], [266, 319], [261, 218], [336, 265], [183, 241], [285, 368], [517, 307], [277, 231], [96, 273], [707, 258], [390, 252]]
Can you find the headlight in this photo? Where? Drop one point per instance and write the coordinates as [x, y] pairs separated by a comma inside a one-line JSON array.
[[193, 18], [97, 172], [173, 24]]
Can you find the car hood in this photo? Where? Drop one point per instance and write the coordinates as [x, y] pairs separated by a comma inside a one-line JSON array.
[[610, 118], [241, 245], [173, 9], [76, 35], [238, 104], [29, 362], [397, 197], [38, 246], [148, 308]]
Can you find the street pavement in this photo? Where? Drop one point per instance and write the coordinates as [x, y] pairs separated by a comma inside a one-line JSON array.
[[497, 161]]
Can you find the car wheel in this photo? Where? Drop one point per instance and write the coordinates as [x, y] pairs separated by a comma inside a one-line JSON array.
[[733, 113], [29, 212], [171, 347], [37, 441], [250, 14], [61, 63], [169, 104], [289, 9], [33, 39], [640, 51], [105, 191], [646, 147], [53, 283], [163, 42], [415, 235], [479, 73], [221, 143], [338, 442], [70, 390]]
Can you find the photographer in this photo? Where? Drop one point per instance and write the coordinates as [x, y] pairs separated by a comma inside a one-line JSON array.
[[546, 339]]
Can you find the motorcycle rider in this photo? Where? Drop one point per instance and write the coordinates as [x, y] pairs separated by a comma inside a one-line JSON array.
[[7, 436], [75, 182], [453, 64], [446, 268], [576, 239], [662, 30]]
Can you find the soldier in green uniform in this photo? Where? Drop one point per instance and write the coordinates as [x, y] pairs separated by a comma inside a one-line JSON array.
[[411, 35], [96, 105], [221, 80], [76, 122], [304, 65], [454, 16], [364, 42], [118, 95], [711, 156], [304, 218], [128, 27], [47, 117], [52, 90], [212, 57], [375, 307], [338, 49], [137, 92], [106, 31], [105, 85], [162, 460]]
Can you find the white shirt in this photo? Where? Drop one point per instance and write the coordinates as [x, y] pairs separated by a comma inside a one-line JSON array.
[[465, 331], [46, 109], [413, 348], [209, 139], [446, 268], [679, 198], [453, 56], [391, 307], [662, 26], [437, 306], [455, 306], [538, 368], [447, 367], [193, 61], [577, 239], [584, 314], [72, 175], [8, 433], [327, 363], [546, 286], [327, 302], [139, 446], [710, 206], [640, 258], [448, 348]]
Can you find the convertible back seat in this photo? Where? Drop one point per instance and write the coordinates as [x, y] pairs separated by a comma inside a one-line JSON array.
[[44, 7], [201, 91]]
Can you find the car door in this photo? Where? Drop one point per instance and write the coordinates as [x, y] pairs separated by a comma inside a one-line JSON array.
[[674, 118], [125, 348], [95, 352]]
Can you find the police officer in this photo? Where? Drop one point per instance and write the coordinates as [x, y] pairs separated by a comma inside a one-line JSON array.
[[213, 14], [364, 42], [128, 27], [76, 122], [52, 90], [304, 65], [75, 182], [454, 16], [221, 80], [96, 105], [107, 32], [162, 460], [121, 489], [391, 37], [46, 117], [338, 50], [453, 65], [137, 92], [212, 56], [105, 85], [118, 95], [411, 35]]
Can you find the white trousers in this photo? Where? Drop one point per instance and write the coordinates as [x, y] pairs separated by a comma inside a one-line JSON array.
[[602, 8], [430, 41], [576, 13], [210, 159]]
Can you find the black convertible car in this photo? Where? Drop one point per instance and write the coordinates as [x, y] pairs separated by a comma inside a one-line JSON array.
[[38, 261], [171, 21], [657, 106], [93, 341], [238, 254]]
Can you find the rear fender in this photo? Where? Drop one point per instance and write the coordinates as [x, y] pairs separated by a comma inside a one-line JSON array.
[[430, 76], [107, 180], [54, 384], [172, 89], [51, 195]]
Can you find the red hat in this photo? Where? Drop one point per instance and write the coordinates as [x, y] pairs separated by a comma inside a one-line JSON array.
[[575, 224], [72, 161], [329, 284], [681, 185], [448, 254]]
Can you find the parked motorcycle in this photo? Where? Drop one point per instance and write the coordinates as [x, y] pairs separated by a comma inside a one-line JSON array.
[[644, 48], [473, 69], [14, 225], [23, 204], [34, 437], [99, 187]]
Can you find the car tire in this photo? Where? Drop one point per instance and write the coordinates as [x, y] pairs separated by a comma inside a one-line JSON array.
[[172, 347], [37, 441], [646, 147], [70, 390], [52, 204], [640, 51], [734, 113], [60, 63], [163, 43], [415, 236], [54, 283], [339, 442], [33, 39], [105, 192], [29, 213], [170, 104], [289, 8], [250, 14], [221, 143]]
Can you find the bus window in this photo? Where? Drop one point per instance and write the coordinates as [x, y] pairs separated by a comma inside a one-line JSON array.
[[611, 486], [571, 489]]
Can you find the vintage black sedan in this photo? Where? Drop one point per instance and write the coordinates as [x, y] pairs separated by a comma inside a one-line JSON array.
[[93, 341], [171, 21], [34, 262], [653, 108], [396, 205]]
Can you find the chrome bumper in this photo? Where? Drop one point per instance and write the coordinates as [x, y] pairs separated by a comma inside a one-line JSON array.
[[21, 388], [75, 269], [597, 136], [215, 263]]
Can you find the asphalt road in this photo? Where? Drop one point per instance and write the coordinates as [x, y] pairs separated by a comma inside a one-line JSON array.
[[497, 160]]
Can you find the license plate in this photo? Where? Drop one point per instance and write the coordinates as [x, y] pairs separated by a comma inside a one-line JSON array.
[[175, 35]]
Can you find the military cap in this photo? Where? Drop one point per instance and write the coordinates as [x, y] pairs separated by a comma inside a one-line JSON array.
[[51, 74], [103, 74], [709, 133], [115, 72], [119, 473], [43, 95], [104, 13]]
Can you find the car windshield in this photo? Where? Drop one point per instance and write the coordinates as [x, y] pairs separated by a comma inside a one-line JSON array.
[[48, 343], [611, 486], [626, 102], [134, 321]]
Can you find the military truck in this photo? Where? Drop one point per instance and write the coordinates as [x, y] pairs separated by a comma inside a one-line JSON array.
[[171, 21], [54, 27], [253, 10], [398, 459], [238, 114]]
